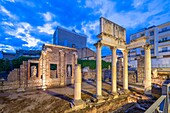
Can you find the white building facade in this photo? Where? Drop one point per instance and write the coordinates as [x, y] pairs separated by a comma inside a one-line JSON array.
[[159, 38]]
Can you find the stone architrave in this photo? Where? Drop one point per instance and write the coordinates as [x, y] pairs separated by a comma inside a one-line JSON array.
[[125, 69], [113, 70], [78, 102], [99, 71], [147, 80]]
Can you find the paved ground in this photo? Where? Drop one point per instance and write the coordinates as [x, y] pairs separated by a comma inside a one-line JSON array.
[[51, 100]]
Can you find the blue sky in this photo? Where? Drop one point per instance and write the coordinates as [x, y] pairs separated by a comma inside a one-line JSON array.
[[27, 24]]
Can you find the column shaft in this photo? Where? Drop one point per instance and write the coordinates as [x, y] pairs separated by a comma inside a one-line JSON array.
[[77, 82], [114, 75], [99, 71], [125, 69], [44, 69], [147, 81]]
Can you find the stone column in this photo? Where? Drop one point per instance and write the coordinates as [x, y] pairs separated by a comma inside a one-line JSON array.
[[77, 86], [44, 66], [98, 70], [114, 73], [125, 69], [147, 80], [62, 68]]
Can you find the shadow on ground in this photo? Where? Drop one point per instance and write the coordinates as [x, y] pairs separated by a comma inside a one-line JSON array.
[[61, 96]]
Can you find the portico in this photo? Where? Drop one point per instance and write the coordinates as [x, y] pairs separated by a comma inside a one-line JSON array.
[[114, 36]]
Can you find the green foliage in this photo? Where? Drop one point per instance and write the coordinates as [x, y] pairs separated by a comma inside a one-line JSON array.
[[92, 64], [2, 66], [53, 66], [17, 62], [7, 65]]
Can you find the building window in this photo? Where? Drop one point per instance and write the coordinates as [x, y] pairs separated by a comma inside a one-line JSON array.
[[164, 29], [152, 51], [151, 41], [164, 49], [151, 33], [143, 52], [53, 71], [142, 34], [165, 39]]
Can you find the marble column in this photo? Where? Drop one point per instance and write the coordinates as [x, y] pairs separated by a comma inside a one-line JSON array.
[[44, 66], [147, 80], [77, 87], [62, 68], [113, 70], [99, 71], [77, 82], [125, 69]]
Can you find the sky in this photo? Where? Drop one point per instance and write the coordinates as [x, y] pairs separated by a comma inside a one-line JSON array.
[[28, 24]]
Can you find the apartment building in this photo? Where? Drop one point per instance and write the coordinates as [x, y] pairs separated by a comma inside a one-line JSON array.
[[159, 38], [65, 37]]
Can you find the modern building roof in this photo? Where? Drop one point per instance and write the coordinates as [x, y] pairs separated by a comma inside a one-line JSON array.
[[71, 31], [144, 29]]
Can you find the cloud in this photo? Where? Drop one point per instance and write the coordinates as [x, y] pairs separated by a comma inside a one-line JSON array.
[[7, 24], [7, 48], [48, 27], [22, 32], [89, 27], [132, 18], [48, 16], [137, 3], [11, 1], [6, 12]]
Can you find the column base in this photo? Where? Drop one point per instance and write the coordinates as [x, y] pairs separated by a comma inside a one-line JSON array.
[[148, 92], [126, 91], [114, 95], [78, 104], [44, 88], [99, 98]]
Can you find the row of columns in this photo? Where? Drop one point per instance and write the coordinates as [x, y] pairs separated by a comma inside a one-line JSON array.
[[78, 77], [113, 70], [147, 80]]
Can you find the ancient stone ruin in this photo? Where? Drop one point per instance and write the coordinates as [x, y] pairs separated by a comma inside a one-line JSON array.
[[55, 67]]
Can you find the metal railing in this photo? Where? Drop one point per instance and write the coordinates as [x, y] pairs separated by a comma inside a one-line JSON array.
[[162, 104]]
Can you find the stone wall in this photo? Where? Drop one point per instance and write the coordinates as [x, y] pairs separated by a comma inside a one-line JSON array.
[[120, 69], [140, 68], [31, 77]]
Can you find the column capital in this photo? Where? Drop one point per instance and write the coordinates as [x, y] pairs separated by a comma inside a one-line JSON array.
[[147, 46], [61, 51], [44, 53], [113, 47], [98, 44], [125, 51]]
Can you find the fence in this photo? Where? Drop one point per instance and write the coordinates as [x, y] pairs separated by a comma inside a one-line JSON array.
[[162, 104]]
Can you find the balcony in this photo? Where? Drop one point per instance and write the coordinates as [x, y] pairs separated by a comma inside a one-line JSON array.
[[161, 41], [163, 51], [164, 30]]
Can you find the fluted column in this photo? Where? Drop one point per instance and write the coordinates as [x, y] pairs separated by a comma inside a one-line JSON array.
[[125, 69], [147, 80], [113, 70], [99, 70]]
